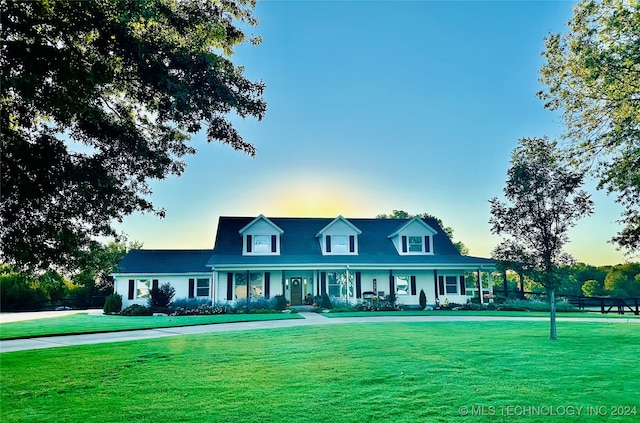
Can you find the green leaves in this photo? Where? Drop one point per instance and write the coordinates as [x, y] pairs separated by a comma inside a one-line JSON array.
[[100, 97], [592, 74], [543, 201]]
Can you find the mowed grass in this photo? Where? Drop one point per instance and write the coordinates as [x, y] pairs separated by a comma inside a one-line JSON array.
[[370, 372], [87, 323]]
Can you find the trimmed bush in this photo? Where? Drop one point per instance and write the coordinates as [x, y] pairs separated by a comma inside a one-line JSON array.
[[423, 300], [112, 304], [279, 302], [136, 310], [325, 302]]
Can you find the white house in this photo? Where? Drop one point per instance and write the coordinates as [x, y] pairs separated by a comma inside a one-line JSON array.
[[347, 258]]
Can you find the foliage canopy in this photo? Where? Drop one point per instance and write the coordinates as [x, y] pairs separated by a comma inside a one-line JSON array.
[[543, 201], [100, 97], [592, 74]]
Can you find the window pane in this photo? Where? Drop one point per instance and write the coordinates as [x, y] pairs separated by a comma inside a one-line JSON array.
[[240, 289], [143, 290], [402, 285], [337, 284], [340, 244], [202, 288], [261, 244], [452, 284], [415, 243], [256, 285]]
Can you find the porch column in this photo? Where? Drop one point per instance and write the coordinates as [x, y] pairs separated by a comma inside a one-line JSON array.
[[214, 285], [347, 292], [479, 286], [490, 286]]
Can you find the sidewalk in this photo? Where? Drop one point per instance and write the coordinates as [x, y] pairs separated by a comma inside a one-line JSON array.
[[309, 320]]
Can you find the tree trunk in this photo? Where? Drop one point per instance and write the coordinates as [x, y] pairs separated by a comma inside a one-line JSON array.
[[553, 331]]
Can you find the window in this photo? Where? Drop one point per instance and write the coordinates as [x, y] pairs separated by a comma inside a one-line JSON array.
[[451, 284], [415, 244], [143, 288], [340, 244], [255, 285], [261, 244], [402, 285], [202, 287], [337, 284]]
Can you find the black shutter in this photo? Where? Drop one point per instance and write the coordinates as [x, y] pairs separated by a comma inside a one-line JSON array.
[[327, 243], [191, 287], [404, 244], [441, 284], [352, 244], [323, 282], [274, 241], [427, 244], [391, 284], [154, 284], [413, 285], [463, 288], [249, 243], [229, 286], [131, 288], [435, 282], [267, 284], [358, 285]]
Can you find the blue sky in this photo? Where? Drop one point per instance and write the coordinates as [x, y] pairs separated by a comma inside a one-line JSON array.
[[375, 106]]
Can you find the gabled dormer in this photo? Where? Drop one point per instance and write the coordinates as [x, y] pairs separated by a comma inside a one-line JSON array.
[[261, 237], [340, 237], [414, 238]]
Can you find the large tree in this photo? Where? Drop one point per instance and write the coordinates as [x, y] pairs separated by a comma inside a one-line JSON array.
[[100, 97], [543, 200], [592, 74]]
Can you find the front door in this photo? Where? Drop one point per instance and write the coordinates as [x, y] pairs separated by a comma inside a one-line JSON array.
[[296, 291]]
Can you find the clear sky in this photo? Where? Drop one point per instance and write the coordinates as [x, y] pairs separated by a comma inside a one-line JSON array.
[[375, 106]]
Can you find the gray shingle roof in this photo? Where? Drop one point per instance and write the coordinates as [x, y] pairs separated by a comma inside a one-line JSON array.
[[165, 261], [299, 244]]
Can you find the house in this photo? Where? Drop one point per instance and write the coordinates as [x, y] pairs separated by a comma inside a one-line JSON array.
[[349, 259]]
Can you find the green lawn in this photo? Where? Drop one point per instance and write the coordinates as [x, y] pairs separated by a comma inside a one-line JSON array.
[[86, 323], [491, 313], [387, 372]]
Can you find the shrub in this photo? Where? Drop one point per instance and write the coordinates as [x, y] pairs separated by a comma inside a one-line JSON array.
[[279, 302], [201, 310], [18, 293], [161, 297], [344, 306], [423, 300], [325, 302], [136, 310], [112, 304], [190, 303]]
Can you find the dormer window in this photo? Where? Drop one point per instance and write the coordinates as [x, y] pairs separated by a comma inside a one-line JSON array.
[[339, 237], [340, 244], [413, 237], [261, 237], [262, 244], [416, 244]]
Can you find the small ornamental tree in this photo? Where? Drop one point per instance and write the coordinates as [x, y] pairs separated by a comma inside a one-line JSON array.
[[423, 300], [161, 297], [112, 304], [543, 201]]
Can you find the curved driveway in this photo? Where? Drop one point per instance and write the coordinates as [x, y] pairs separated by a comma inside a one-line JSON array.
[[309, 319]]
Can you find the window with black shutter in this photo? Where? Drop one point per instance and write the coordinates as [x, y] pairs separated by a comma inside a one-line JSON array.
[[192, 287], [229, 286], [327, 243], [132, 286], [274, 243], [352, 244], [413, 285]]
